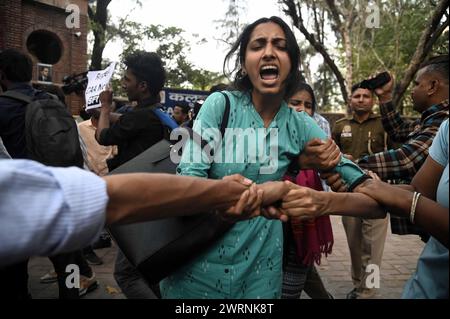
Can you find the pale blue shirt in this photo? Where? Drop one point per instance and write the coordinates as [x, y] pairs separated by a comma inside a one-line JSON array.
[[325, 126], [47, 210], [323, 123], [430, 280]]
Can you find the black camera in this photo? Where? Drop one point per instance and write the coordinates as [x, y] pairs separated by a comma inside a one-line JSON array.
[[75, 83], [378, 81]]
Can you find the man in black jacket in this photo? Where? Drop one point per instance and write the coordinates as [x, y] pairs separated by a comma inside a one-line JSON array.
[[137, 130], [133, 132]]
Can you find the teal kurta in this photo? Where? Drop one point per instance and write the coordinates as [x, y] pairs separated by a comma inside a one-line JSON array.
[[246, 262]]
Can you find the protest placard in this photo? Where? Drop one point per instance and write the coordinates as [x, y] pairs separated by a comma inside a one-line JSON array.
[[97, 83]]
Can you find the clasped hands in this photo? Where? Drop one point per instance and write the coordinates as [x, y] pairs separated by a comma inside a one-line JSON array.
[[282, 200], [275, 200]]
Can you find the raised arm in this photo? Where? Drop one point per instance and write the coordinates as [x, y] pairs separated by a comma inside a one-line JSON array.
[[105, 111], [395, 126]]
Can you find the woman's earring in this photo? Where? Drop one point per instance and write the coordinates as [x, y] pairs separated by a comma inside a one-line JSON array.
[[243, 73]]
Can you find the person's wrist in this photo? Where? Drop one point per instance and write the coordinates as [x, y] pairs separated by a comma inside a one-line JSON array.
[[304, 161], [228, 186], [327, 199], [270, 196], [358, 188], [105, 107], [385, 98]]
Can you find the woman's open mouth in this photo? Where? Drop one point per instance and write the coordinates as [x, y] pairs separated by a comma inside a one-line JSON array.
[[269, 73]]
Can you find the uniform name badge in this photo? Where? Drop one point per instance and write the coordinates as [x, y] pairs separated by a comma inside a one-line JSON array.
[[346, 131]]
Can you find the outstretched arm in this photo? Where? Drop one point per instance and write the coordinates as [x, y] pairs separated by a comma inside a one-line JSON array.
[[140, 196], [397, 199], [307, 203], [71, 204]]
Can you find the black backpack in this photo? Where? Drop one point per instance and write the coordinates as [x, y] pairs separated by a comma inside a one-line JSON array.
[[51, 132]]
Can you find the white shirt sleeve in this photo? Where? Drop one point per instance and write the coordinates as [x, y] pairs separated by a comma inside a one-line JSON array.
[[47, 210]]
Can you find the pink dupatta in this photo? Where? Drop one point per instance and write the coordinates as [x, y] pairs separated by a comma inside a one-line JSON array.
[[312, 237]]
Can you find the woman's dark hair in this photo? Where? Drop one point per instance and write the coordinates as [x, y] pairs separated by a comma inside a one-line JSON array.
[[147, 67], [302, 86], [243, 83]]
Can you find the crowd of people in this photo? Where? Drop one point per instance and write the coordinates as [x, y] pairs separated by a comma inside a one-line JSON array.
[[366, 166]]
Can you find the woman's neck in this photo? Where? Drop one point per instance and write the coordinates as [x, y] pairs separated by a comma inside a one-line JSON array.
[[267, 106]]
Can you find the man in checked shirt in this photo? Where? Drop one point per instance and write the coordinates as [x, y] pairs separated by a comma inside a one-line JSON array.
[[430, 98]]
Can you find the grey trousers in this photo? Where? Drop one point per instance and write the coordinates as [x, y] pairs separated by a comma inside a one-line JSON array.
[[365, 238]]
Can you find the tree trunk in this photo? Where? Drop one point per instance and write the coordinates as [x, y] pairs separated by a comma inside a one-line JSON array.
[[98, 20], [348, 62]]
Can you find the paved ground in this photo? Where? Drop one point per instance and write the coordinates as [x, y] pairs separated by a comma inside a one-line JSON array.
[[399, 261]]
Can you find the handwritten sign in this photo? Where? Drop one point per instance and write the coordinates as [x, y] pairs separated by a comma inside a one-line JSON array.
[[97, 82]]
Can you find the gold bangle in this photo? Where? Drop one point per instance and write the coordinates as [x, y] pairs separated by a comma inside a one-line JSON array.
[[412, 212]]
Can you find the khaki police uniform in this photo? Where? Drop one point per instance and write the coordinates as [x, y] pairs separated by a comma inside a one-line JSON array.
[[365, 237]]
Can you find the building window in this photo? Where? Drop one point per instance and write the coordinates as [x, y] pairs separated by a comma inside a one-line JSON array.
[[45, 46]]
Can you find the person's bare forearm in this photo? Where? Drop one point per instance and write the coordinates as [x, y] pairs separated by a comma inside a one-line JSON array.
[[141, 196], [114, 117], [397, 199], [353, 204], [429, 215], [433, 218], [305, 202], [273, 192], [105, 98], [103, 123]]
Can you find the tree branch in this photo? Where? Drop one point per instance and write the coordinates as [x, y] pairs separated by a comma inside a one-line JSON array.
[[295, 14], [436, 35], [91, 13], [335, 13], [428, 38]]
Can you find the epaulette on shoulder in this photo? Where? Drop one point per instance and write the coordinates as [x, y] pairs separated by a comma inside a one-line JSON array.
[[342, 120]]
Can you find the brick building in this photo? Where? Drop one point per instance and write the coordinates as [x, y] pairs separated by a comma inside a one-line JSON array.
[[39, 28]]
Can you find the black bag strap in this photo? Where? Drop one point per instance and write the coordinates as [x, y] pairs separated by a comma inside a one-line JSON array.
[[18, 96], [226, 114], [25, 98], [223, 125]]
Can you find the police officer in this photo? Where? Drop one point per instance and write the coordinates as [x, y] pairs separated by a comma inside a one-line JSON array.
[[361, 134]]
